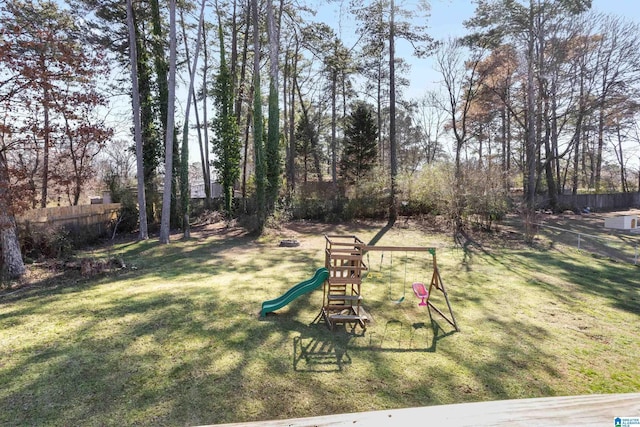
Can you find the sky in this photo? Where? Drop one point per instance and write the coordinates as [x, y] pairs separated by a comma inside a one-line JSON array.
[[446, 20]]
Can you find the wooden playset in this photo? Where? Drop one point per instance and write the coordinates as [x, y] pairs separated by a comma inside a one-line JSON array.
[[342, 293]]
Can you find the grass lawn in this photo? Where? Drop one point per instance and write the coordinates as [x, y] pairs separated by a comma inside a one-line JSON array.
[[174, 338]]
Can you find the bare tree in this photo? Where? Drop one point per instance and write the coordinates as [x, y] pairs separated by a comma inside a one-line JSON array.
[[431, 120], [461, 80], [618, 73]]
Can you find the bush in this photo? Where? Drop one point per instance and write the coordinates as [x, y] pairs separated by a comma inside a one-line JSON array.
[[371, 206], [427, 191], [316, 201], [531, 221], [45, 241], [486, 200], [128, 215], [280, 215], [369, 198], [483, 210]]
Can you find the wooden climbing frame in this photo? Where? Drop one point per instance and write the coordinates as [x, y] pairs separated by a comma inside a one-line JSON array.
[[342, 290]]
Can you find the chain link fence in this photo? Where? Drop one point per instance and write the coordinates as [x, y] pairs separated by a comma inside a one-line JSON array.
[[623, 247]]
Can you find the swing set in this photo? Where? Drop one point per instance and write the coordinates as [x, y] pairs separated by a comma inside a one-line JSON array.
[[380, 273], [420, 289], [346, 266]]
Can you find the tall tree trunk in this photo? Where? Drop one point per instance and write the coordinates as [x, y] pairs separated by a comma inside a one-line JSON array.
[[185, 195], [243, 69], [234, 46], [530, 156], [239, 99], [11, 255], [260, 164], [506, 150], [379, 65], [334, 148], [292, 115], [206, 166], [137, 126], [9, 244], [168, 159], [288, 97], [160, 65], [393, 150], [272, 149], [598, 159], [245, 157], [381, 149], [549, 159], [314, 142], [508, 170], [618, 148], [201, 145], [151, 141], [45, 154], [577, 139], [554, 143]]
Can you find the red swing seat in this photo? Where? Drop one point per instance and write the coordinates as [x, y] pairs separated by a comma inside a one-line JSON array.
[[421, 292]]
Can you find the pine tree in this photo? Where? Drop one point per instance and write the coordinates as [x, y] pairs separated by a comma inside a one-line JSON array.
[[360, 144]]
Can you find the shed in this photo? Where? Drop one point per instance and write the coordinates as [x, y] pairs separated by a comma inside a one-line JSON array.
[[623, 222]]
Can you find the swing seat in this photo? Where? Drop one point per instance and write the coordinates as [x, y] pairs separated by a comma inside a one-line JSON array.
[[421, 292]]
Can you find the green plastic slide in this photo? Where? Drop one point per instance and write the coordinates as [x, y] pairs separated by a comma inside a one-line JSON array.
[[301, 288]]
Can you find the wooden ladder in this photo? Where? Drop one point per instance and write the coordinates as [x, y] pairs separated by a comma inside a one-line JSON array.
[[342, 289]]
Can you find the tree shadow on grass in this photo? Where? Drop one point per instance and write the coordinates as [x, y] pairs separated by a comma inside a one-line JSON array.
[[316, 349], [515, 362], [404, 337], [158, 355], [615, 282], [380, 234], [168, 356], [111, 359], [162, 359], [589, 235], [121, 366]]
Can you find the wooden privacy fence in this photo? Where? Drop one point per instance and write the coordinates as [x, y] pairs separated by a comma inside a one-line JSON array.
[[599, 202], [85, 221]]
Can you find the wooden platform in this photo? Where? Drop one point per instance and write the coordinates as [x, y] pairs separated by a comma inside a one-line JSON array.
[[597, 410]]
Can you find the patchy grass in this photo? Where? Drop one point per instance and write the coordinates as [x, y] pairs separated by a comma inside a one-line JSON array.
[[174, 339]]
